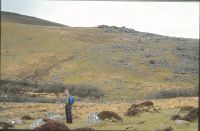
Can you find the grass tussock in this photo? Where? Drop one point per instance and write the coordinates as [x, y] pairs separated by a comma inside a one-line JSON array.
[[109, 115], [26, 117], [192, 115], [136, 109], [5, 125], [53, 125]]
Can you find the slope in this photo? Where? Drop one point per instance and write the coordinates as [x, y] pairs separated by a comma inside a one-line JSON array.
[[22, 19], [124, 63]]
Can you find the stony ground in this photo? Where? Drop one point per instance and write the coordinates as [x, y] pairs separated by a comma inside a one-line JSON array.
[[81, 110]]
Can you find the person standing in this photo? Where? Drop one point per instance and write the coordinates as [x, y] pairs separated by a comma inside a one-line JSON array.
[[68, 106]]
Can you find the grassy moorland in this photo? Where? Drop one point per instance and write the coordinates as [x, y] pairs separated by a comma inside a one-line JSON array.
[[145, 121], [106, 68], [122, 62]]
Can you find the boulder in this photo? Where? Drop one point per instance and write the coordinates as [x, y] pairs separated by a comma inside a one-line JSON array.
[[37, 123], [53, 116], [180, 122], [93, 118]]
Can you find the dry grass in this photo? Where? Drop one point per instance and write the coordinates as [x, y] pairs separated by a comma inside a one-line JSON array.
[[82, 109], [176, 102], [47, 95]]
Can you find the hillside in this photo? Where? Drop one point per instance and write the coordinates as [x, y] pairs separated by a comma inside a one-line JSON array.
[[122, 62], [22, 19]]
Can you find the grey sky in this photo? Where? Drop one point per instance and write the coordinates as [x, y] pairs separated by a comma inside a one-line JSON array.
[[180, 19]]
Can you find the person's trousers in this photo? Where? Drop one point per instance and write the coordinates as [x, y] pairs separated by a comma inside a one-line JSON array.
[[68, 114]]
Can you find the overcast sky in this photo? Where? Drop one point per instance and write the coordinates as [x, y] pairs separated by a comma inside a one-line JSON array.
[[180, 19]]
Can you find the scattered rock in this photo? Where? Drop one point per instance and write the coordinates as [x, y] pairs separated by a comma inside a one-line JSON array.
[[110, 116], [103, 26], [5, 125], [147, 53], [53, 125], [107, 28], [26, 117], [37, 123]]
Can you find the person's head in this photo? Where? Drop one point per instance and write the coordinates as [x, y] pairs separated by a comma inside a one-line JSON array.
[[66, 92]]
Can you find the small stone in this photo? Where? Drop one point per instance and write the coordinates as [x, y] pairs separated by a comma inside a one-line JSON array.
[[93, 118], [16, 121], [180, 122], [37, 123]]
